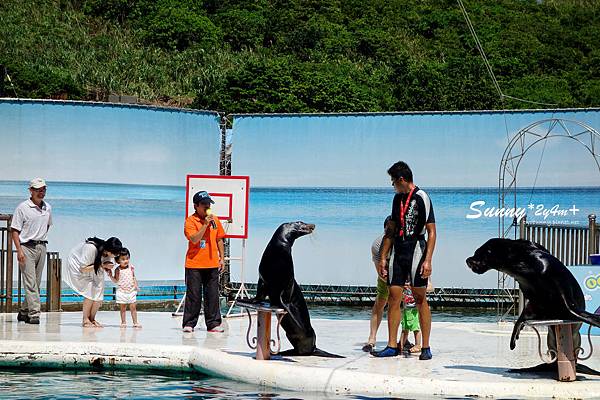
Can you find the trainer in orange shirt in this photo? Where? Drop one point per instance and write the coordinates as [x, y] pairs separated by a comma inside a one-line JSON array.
[[203, 261]]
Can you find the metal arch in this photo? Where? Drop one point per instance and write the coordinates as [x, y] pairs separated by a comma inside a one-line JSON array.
[[581, 132]]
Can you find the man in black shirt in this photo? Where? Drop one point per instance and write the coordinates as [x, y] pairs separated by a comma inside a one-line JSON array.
[[412, 234]]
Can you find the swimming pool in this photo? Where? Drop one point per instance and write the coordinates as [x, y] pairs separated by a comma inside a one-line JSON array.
[[16, 384]]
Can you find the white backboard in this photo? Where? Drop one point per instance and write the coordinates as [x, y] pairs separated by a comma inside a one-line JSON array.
[[231, 196]]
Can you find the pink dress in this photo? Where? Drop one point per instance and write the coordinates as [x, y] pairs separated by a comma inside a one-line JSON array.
[[126, 293]]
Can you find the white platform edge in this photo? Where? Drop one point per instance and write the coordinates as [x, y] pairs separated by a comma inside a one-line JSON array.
[[274, 373]]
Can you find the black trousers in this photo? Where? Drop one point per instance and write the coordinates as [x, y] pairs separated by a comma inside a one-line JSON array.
[[199, 281]]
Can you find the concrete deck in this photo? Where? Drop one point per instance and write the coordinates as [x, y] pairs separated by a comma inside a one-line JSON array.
[[469, 359]]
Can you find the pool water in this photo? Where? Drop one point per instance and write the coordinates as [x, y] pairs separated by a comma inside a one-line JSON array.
[[448, 314], [37, 385]]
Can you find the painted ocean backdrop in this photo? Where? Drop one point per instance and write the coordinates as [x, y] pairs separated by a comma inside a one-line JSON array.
[[149, 221]]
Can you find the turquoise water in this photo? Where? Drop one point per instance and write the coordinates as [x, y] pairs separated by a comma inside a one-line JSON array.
[[149, 220], [133, 385], [130, 385]]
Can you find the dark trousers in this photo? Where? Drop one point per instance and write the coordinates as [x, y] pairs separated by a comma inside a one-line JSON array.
[[199, 281]]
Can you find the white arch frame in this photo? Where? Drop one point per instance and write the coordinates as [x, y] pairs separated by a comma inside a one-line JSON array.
[[516, 149]]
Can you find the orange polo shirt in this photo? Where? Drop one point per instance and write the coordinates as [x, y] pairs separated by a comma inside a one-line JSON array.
[[202, 255]]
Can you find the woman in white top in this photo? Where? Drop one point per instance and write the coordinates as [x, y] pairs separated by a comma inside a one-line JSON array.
[[85, 273]]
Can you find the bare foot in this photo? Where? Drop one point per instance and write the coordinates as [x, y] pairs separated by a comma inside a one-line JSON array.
[[87, 324], [136, 325], [97, 324], [124, 325]]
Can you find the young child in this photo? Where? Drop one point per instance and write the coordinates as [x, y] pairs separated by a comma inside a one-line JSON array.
[[410, 322], [127, 287]]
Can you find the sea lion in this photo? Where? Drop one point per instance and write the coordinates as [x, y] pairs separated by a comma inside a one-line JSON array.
[[549, 288], [276, 281]]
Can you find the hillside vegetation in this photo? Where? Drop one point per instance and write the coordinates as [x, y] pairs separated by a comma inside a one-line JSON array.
[[303, 55]]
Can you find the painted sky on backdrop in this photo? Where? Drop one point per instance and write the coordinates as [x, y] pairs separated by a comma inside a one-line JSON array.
[[80, 142], [443, 149], [103, 143]]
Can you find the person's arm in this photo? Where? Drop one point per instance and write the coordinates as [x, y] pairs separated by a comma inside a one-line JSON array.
[[196, 236], [15, 237], [16, 227], [221, 248], [114, 278], [431, 236], [87, 268], [137, 287], [386, 246], [88, 258]]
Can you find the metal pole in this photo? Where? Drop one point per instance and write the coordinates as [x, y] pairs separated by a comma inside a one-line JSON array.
[[592, 248], [9, 266], [522, 229], [225, 170]]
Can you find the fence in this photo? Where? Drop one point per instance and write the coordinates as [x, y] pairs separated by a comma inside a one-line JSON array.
[[7, 267], [6, 264], [365, 295], [572, 245]]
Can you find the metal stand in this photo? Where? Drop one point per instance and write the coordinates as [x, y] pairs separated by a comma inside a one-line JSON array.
[[242, 291], [565, 355], [177, 313], [262, 342]]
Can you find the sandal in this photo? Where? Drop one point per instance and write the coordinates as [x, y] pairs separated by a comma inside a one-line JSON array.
[[415, 349], [367, 348]]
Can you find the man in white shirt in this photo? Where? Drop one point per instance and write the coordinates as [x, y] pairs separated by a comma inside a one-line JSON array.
[[30, 223]]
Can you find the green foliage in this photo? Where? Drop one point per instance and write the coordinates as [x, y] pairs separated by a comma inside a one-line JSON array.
[[177, 28], [283, 85], [304, 55]]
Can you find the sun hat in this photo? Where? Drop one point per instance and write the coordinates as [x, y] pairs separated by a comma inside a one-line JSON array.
[[37, 183]]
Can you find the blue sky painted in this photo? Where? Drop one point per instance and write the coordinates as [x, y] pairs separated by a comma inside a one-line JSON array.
[[74, 142], [444, 150]]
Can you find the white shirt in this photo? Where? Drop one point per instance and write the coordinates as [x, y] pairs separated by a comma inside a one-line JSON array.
[[32, 221]]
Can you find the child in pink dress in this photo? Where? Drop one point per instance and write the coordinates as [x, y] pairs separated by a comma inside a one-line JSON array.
[[127, 287]]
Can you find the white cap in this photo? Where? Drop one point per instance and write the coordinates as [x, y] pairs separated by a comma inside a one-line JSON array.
[[37, 183]]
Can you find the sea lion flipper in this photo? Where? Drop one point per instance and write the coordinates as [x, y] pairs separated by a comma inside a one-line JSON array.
[[551, 369], [515, 334], [519, 323], [261, 290], [587, 317]]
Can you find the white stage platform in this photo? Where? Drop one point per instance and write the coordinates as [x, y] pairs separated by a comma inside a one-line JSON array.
[[469, 359]]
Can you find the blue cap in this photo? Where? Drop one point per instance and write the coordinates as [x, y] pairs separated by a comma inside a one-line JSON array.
[[202, 197]]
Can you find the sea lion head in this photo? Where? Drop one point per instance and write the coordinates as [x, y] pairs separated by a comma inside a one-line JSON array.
[[492, 255], [291, 231], [506, 255]]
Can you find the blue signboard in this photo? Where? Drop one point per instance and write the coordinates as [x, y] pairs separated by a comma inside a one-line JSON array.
[[588, 277]]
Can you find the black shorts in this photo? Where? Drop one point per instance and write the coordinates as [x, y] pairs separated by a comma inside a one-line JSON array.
[[408, 259]]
